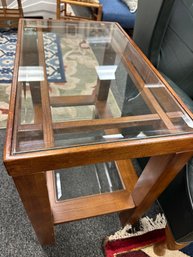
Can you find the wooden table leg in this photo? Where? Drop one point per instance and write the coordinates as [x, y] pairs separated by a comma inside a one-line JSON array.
[[34, 195], [158, 173], [170, 244]]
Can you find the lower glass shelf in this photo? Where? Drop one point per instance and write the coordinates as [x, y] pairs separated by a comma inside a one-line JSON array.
[[87, 180], [91, 190]]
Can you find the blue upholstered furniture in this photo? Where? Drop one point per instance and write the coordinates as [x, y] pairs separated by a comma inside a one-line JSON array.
[[117, 11]]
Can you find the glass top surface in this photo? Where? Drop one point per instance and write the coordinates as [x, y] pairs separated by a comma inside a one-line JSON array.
[[81, 83]]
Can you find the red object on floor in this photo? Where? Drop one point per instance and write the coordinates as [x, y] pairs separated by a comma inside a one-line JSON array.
[[133, 243]]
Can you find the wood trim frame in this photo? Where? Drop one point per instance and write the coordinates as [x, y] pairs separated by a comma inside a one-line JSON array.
[[94, 205], [28, 163], [10, 14], [96, 15]]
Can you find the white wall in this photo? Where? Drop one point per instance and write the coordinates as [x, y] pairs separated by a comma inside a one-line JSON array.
[[47, 8]]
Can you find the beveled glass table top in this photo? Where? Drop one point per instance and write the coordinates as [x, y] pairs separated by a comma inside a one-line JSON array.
[[81, 83]]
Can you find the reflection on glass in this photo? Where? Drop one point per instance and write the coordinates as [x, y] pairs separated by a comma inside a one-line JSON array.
[[30, 73]]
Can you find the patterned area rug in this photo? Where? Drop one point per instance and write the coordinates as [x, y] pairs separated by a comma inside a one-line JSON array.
[[79, 63], [131, 243], [5, 90], [7, 56], [53, 57], [81, 79]]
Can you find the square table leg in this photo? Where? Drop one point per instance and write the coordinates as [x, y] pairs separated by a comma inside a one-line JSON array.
[[34, 195]]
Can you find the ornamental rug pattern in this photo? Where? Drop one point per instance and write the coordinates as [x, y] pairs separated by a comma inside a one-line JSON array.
[[7, 56], [80, 79], [52, 51]]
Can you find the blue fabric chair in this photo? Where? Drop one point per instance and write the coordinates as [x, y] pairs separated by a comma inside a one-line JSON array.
[[117, 11]]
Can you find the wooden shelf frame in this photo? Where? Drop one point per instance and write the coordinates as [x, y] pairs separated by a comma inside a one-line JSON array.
[[62, 13], [94, 205], [9, 17]]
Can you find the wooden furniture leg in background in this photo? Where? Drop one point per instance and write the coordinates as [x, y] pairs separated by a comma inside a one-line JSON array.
[[170, 244], [9, 17], [62, 13], [34, 195]]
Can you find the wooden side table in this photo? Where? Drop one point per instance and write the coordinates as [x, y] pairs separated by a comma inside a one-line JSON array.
[[134, 113]]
